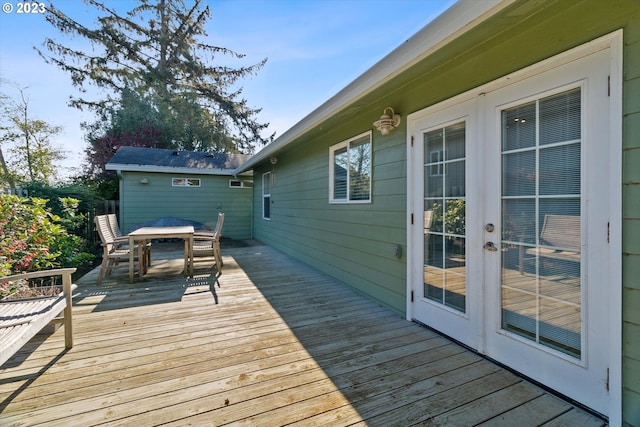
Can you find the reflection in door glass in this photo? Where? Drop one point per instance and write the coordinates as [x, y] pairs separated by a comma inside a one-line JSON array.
[[541, 222], [444, 216]]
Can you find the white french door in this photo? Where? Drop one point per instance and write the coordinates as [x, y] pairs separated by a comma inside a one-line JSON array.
[[509, 252], [445, 156]]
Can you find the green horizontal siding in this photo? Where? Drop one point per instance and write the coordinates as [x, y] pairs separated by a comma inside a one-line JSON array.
[[631, 222], [158, 198], [352, 242]]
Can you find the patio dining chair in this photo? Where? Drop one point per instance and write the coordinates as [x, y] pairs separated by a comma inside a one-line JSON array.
[[207, 244], [113, 224], [123, 240], [116, 250]]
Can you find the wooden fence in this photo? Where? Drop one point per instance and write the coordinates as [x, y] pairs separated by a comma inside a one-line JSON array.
[[100, 207]]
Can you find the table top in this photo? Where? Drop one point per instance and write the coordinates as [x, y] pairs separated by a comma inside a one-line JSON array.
[[180, 231]]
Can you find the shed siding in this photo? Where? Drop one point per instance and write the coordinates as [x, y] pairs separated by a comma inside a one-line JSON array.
[[158, 198], [354, 242]]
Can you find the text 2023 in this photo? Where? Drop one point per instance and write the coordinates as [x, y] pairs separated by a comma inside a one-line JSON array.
[[30, 7]]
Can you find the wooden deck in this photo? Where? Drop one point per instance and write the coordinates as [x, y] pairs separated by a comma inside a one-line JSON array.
[[278, 343]]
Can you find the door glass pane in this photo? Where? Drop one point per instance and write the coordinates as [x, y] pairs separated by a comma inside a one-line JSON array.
[[519, 173], [433, 183], [519, 220], [433, 146], [560, 170], [455, 148], [560, 118], [454, 182], [541, 222], [519, 127], [444, 216]]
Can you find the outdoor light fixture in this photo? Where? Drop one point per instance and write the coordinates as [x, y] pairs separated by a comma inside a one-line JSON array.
[[387, 122], [273, 160]]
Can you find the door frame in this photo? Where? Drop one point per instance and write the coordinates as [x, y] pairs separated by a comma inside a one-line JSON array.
[[613, 42]]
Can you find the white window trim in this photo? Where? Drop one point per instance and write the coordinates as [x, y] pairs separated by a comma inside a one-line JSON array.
[[338, 146], [265, 176]]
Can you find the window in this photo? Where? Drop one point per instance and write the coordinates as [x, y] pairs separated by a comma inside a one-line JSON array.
[[235, 183], [266, 195], [185, 182], [350, 170]]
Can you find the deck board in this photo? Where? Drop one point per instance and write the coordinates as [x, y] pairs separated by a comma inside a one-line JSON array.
[[283, 344]]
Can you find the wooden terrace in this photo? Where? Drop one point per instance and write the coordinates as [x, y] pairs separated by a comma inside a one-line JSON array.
[[277, 343]]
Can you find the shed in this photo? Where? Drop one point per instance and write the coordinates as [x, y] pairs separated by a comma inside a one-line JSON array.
[[195, 186], [501, 208]]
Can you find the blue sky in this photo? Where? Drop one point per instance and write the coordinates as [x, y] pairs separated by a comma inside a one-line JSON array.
[[314, 49]]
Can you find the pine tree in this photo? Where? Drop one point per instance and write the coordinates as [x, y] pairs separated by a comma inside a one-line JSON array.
[[157, 51]]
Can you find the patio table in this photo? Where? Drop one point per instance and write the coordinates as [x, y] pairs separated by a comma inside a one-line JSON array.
[[147, 233]]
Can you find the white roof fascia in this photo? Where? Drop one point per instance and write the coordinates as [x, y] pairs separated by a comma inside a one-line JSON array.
[[455, 21], [166, 169]]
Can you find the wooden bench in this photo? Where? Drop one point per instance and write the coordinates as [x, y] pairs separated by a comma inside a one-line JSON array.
[[559, 239], [21, 319]]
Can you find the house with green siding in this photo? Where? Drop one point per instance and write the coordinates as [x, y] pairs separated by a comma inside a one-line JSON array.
[[483, 179], [193, 186]]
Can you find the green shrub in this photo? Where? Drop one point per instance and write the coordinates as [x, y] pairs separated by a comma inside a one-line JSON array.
[[33, 238], [58, 198]]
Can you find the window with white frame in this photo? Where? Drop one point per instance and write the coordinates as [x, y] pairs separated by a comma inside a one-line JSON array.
[[266, 195], [350, 170], [236, 183], [185, 182]]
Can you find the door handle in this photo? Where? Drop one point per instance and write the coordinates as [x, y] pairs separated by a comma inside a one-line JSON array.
[[490, 247]]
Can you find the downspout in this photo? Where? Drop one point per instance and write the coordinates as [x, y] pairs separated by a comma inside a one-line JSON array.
[[120, 197], [251, 204]]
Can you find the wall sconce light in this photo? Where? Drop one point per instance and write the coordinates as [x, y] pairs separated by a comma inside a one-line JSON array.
[[144, 181], [387, 122], [273, 160]]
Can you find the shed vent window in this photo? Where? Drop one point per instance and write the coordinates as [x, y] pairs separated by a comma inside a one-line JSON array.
[[234, 183], [185, 182]]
